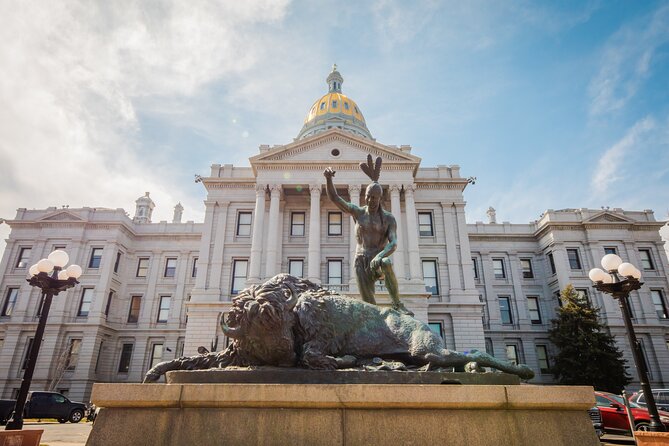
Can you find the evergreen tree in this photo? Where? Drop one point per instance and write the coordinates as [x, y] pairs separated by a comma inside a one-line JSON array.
[[588, 354]]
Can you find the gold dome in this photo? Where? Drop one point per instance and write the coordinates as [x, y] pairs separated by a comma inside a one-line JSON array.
[[334, 110], [337, 103]]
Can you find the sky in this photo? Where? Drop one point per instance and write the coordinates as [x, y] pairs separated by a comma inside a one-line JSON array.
[[550, 105]]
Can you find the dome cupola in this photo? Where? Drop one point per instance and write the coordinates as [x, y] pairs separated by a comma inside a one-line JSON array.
[[334, 110]]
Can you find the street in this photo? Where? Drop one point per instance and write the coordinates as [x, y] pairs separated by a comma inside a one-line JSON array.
[[56, 434]]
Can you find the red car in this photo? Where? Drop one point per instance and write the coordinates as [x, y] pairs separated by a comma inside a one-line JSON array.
[[614, 415]]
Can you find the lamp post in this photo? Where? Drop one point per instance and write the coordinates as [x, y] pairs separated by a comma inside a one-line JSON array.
[[51, 276], [609, 281]]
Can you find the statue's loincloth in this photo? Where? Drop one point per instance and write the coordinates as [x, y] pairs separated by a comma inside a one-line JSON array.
[[362, 266]]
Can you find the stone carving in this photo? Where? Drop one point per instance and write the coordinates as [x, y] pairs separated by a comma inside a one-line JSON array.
[[376, 236], [289, 322]]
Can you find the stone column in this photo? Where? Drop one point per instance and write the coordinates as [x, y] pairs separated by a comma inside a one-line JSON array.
[[273, 238], [205, 245], [216, 265], [256, 240], [465, 251], [314, 262], [354, 194], [396, 210], [415, 268], [450, 230]]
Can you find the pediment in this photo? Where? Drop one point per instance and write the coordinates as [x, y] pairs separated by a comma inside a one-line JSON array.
[[62, 216], [336, 147], [608, 217]]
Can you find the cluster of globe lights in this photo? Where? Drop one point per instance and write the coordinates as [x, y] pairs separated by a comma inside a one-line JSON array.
[[56, 261], [613, 264]]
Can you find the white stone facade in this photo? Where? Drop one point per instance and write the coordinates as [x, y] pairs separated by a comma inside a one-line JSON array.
[[155, 291]]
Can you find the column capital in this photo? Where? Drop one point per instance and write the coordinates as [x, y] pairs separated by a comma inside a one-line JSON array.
[[275, 190], [315, 189], [353, 188], [410, 188], [395, 188], [446, 204], [210, 203], [223, 203], [260, 189]]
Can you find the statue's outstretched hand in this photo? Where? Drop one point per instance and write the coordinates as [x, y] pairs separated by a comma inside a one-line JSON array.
[[329, 173]]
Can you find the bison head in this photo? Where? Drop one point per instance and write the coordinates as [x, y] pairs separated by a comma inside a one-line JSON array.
[[261, 322]]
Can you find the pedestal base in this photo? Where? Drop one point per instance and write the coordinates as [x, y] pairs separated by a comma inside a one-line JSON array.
[[341, 414]]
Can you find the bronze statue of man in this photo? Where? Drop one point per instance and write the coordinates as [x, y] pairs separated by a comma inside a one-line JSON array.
[[376, 236]]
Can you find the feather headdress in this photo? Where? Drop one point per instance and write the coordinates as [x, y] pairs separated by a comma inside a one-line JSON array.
[[372, 170]]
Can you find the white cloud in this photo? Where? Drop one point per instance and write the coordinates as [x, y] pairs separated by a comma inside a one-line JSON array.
[[610, 166], [73, 74], [627, 61]]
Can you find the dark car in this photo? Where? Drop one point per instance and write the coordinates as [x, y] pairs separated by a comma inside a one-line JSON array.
[[54, 405], [6, 409], [661, 398], [614, 415]]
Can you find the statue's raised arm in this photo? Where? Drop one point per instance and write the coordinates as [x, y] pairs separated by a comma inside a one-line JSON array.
[[342, 204]]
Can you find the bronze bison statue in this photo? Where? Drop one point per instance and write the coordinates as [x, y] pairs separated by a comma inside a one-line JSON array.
[[291, 322]]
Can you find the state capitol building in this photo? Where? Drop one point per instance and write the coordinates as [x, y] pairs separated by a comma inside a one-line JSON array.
[[151, 292]]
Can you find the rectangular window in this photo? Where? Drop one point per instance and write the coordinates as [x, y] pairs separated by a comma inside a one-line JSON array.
[[498, 268], [156, 355], [244, 224], [170, 267], [85, 304], [163, 309], [475, 264], [583, 294], [542, 358], [117, 262], [142, 267], [533, 307], [73, 354], [296, 267], [610, 250], [512, 354], [335, 272], [24, 258], [239, 271], [558, 298], [193, 272], [644, 357], [505, 310], [26, 357], [551, 262], [96, 258], [10, 301], [110, 297], [135, 306], [334, 223], [297, 224], [646, 259], [99, 358], [126, 355], [574, 259], [488, 347], [425, 224], [526, 265], [660, 304], [430, 277], [436, 328]]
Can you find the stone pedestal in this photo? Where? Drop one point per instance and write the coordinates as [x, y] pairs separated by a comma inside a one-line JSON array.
[[341, 414]]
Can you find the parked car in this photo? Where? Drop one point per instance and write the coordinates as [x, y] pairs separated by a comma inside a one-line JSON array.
[[614, 415], [6, 409], [54, 405], [596, 418], [661, 398]]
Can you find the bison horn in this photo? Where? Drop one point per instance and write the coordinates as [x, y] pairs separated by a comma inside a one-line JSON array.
[[291, 297], [230, 332]]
